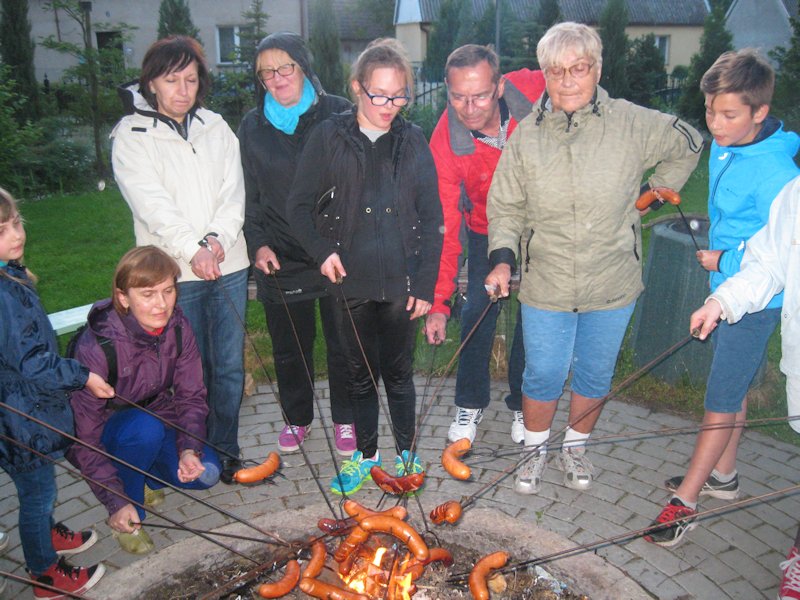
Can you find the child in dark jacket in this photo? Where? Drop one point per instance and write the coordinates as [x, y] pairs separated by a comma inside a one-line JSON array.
[[34, 380]]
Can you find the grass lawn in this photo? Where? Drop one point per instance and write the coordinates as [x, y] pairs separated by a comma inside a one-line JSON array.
[[74, 243]]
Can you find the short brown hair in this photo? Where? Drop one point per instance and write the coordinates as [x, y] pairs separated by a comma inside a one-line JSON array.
[[383, 52], [744, 72], [471, 55], [144, 266], [171, 54]]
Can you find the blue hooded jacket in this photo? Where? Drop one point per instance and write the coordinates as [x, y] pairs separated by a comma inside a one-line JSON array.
[[34, 379], [742, 183]]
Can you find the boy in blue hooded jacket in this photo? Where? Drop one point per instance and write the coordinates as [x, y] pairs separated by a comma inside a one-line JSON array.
[[751, 160]]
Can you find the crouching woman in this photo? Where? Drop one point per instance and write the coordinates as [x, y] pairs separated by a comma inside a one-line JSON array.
[[157, 366]]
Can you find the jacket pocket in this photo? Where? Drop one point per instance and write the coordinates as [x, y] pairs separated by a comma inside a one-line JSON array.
[[528, 249], [635, 247], [325, 213]]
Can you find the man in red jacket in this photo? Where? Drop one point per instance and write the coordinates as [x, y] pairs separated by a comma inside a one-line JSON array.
[[483, 110]]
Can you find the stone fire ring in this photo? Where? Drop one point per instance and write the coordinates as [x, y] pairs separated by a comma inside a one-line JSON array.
[[481, 528]]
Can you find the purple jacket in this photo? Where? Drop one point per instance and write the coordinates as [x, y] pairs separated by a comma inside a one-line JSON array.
[[145, 366]]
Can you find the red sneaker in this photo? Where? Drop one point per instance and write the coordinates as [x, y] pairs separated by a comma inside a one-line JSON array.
[[790, 585], [66, 578], [67, 542]]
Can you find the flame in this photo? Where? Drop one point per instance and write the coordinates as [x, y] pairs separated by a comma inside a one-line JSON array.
[[367, 576]]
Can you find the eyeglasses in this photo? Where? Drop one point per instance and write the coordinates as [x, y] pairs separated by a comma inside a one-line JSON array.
[[266, 73], [381, 100], [479, 101], [576, 71]]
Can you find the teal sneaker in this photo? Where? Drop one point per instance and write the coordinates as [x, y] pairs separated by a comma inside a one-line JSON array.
[[414, 466], [353, 474]]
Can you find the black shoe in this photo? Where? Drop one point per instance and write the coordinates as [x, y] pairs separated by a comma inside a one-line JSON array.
[[229, 467], [712, 487]]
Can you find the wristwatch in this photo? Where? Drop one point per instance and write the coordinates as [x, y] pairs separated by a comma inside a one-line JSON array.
[[204, 242]]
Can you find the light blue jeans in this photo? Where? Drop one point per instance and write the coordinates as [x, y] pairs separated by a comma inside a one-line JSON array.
[[216, 311], [587, 343]]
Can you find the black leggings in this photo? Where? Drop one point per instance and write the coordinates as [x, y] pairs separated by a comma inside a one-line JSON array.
[[387, 335], [296, 394]]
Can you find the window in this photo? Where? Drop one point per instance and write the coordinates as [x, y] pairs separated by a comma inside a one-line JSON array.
[[229, 42], [112, 58], [662, 43]]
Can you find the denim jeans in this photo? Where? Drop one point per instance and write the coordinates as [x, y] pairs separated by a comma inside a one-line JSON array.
[[587, 343], [145, 442], [387, 336], [472, 379], [294, 358], [216, 311], [36, 491]]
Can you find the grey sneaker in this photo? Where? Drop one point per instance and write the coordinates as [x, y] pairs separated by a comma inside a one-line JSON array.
[[713, 487], [578, 471], [529, 476], [517, 427], [465, 424]]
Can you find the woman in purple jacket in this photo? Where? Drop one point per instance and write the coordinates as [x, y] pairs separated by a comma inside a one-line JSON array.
[[157, 365]]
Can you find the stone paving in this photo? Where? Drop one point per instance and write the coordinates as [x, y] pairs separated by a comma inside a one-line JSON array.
[[731, 555]]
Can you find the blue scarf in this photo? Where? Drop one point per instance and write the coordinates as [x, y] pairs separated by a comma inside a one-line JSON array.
[[284, 118]]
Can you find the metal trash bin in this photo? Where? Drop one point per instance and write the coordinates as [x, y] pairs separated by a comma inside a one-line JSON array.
[[675, 285]]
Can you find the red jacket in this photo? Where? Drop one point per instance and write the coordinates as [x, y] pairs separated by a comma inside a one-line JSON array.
[[465, 167]]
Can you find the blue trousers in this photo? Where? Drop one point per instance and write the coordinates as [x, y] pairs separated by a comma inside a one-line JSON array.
[[146, 443], [472, 378], [36, 491], [216, 311]]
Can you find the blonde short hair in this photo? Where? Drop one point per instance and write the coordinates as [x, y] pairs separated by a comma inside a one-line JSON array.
[[563, 37]]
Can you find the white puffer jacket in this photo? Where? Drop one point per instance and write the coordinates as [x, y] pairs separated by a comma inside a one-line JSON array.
[[771, 263], [180, 189]]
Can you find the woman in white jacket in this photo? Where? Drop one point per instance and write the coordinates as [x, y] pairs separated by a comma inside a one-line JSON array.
[[179, 168], [771, 263]]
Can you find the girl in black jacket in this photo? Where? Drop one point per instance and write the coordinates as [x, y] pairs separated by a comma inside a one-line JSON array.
[[271, 137], [365, 207]]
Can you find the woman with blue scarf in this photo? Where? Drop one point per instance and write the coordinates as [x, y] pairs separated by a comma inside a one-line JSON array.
[[272, 137]]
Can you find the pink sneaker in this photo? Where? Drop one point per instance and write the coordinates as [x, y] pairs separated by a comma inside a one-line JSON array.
[[292, 436], [345, 438], [790, 585]]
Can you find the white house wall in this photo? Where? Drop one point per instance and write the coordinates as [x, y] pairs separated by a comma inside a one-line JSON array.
[[207, 15]]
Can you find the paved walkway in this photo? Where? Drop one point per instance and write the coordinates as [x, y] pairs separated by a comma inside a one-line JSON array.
[[734, 555]]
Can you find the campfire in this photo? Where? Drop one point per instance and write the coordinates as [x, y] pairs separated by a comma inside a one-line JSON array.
[[380, 572]]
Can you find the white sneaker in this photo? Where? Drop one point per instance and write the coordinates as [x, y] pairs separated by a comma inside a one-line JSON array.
[[517, 427], [578, 471], [529, 476], [465, 424], [3, 540]]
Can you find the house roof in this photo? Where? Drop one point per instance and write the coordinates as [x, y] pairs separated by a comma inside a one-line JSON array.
[[791, 7], [640, 12]]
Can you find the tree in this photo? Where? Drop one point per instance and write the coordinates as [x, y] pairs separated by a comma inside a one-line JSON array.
[[325, 47], [645, 70], [613, 21], [787, 81], [442, 40], [174, 18], [381, 13], [521, 36], [714, 41], [254, 30], [549, 14], [16, 48]]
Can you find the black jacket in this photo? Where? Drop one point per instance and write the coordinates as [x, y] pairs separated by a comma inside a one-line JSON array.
[[329, 200], [269, 161]]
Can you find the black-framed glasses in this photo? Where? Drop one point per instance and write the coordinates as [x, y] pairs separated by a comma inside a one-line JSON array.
[[381, 100], [479, 100], [576, 71], [267, 73]]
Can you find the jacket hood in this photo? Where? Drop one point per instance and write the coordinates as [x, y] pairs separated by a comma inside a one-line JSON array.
[[295, 47], [104, 321], [771, 138]]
